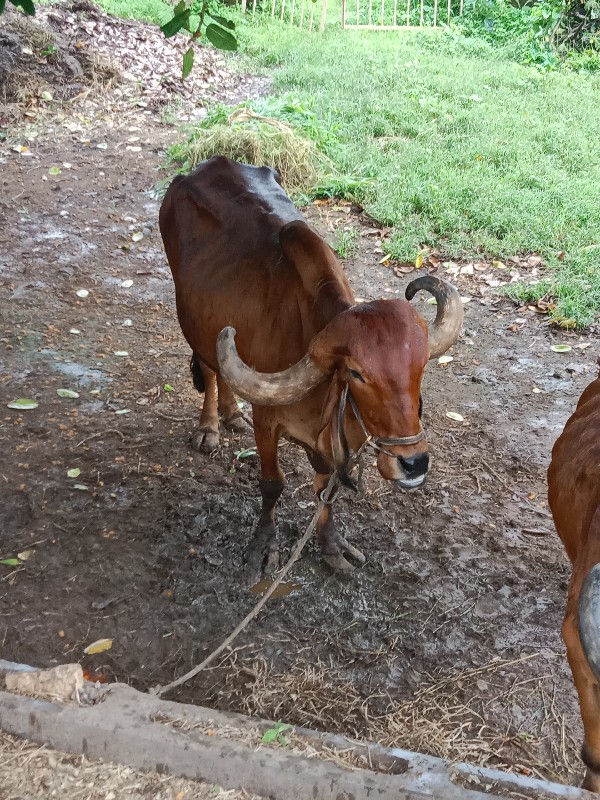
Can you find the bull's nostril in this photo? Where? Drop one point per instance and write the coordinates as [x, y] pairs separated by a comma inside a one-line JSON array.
[[415, 465]]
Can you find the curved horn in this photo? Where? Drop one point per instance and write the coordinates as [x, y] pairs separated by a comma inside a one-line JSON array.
[[589, 619], [445, 328], [265, 388]]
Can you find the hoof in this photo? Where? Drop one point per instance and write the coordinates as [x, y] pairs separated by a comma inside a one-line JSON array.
[[205, 441], [347, 560], [262, 555], [339, 563], [271, 561], [237, 423]]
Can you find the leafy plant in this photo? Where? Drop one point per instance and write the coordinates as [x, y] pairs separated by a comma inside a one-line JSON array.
[[218, 32], [275, 734], [27, 6]]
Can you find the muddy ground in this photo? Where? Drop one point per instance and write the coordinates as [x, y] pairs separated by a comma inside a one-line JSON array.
[[464, 585]]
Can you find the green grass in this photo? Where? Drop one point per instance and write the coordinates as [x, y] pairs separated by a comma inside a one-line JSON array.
[[462, 148], [156, 11], [446, 139], [346, 242]]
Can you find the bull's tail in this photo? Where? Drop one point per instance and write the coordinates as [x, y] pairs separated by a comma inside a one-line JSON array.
[[197, 374], [589, 619]]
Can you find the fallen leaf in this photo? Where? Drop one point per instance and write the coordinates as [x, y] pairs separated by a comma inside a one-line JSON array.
[[419, 261], [74, 473], [67, 393], [385, 259], [498, 264], [455, 416], [137, 236], [54, 171], [23, 404], [46, 96], [561, 348], [10, 562], [168, 388], [445, 359], [81, 486], [98, 647], [246, 453], [25, 554]]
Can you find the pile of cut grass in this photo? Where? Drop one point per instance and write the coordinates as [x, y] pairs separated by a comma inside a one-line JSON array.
[[255, 139]]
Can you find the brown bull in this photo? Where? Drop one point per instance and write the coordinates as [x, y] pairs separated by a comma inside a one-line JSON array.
[[574, 497], [318, 368]]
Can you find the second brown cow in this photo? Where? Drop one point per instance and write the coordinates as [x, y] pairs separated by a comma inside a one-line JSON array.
[[574, 497], [318, 368]]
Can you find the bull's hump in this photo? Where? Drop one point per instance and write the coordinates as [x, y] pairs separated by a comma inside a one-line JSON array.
[[262, 183]]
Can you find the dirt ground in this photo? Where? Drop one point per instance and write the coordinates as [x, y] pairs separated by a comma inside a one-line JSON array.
[[447, 641]]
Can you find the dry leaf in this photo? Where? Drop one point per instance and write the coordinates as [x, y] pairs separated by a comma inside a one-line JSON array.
[[98, 647], [455, 416]]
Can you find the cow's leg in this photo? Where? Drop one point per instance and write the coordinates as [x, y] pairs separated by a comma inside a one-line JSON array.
[[206, 438], [589, 700], [233, 419], [335, 549], [585, 681], [263, 550]]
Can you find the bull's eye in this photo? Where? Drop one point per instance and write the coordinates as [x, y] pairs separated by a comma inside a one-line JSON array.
[[357, 376]]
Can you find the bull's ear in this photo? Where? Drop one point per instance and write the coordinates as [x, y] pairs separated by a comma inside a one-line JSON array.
[[311, 255], [331, 441]]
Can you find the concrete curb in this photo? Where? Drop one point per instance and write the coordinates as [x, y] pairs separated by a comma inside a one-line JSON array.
[[132, 728]]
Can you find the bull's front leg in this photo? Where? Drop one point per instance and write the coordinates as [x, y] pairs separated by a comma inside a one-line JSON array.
[[335, 549], [233, 419], [263, 551], [206, 438]]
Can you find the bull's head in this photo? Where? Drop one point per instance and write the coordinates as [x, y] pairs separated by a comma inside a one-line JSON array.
[[374, 354]]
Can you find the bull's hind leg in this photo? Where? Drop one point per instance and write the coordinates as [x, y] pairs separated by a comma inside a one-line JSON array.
[[206, 438], [335, 549], [263, 551]]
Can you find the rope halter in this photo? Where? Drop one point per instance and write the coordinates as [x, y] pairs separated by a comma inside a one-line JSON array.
[[377, 443]]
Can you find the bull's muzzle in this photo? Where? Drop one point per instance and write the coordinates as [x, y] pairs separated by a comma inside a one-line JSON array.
[[406, 471], [414, 469]]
